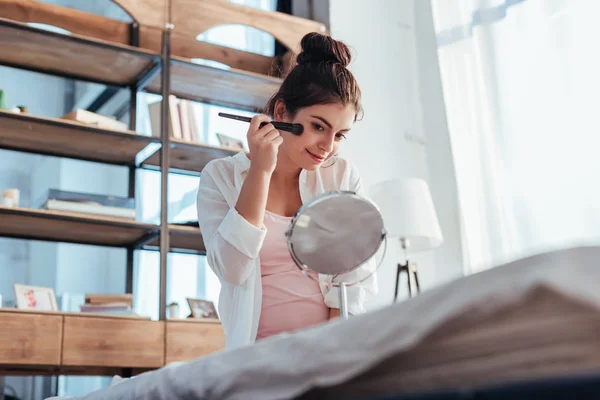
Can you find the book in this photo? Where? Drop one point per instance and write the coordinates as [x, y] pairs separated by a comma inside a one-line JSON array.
[[186, 128], [175, 118], [97, 120], [89, 208], [175, 125], [108, 299], [101, 199], [154, 111], [105, 307], [195, 121], [85, 203]]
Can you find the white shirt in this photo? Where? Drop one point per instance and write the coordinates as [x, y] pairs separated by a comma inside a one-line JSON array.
[[233, 244]]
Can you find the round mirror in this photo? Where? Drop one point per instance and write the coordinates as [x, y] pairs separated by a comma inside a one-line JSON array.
[[336, 233], [333, 234]]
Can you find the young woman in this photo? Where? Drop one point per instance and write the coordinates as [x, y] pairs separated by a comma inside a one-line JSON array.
[[245, 202]]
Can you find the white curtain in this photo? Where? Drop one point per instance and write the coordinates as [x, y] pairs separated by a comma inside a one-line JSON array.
[[521, 83]]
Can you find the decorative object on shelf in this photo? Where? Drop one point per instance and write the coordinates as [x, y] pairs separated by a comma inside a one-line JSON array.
[[86, 203], [232, 143], [3, 105], [202, 309], [11, 197], [409, 215], [5, 202], [173, 309], [97, 120], [35, 298]]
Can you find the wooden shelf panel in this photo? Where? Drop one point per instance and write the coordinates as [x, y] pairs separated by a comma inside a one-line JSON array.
[[186, 238], [30, 339], [65, 138], [232, 88], [62, 226], [72, 56], [71, 343], [183, 239], [112, 342], [186, 341], [190, 158]]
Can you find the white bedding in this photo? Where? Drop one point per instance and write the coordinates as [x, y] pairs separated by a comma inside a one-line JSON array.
[[289, 365]]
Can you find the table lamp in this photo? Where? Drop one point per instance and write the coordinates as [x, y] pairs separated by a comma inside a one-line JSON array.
[[409, 216]]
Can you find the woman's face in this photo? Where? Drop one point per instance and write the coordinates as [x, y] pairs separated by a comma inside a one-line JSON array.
[[325, 127]]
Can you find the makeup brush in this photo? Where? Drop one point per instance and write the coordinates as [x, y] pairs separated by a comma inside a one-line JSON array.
[[295, 129]]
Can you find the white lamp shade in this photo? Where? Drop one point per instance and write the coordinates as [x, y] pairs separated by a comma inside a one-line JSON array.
[[408, 212]]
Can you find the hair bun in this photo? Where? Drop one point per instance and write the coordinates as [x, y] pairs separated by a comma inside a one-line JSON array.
[[318, 48]]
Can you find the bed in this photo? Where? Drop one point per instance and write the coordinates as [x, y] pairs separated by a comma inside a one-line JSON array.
[[535, 319]]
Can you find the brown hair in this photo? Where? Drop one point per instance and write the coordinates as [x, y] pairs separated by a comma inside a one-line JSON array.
[[320, 76]]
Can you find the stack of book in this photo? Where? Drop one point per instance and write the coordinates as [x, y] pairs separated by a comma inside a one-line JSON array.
[[184, 123], [85, 203], [96, 120], [108, 303]]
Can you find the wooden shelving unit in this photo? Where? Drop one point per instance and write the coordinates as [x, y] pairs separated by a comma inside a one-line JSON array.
[[64, 138], [186, 339], [73, 56], [59, 226], [183, 239], [186, 239], [137, 56], [189, 158], [61, 343], [235, 88]]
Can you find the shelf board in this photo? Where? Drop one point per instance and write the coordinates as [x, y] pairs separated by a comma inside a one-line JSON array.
[[231, 88], [59, 226], [190, 158], [186, 238], [73, 343], [65, 138], [72, 56], [183, 239], [181, 342]]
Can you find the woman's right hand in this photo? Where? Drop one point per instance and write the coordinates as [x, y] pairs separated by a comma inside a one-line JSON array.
[[264, 144]]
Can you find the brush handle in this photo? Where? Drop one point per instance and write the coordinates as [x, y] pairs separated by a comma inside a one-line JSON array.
[[295, 129]]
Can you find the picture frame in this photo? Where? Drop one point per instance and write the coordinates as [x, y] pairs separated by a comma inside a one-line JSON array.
[[35, 298], [230, 142], [203, 309]]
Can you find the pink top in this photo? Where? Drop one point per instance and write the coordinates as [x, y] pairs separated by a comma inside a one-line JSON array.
[[290, 300]]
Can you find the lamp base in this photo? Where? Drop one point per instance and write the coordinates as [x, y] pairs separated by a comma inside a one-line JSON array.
[[411, 273]]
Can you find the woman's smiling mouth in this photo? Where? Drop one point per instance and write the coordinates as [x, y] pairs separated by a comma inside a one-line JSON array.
[[316, 157]]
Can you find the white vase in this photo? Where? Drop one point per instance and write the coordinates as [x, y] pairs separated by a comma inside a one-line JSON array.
[[173, 311]]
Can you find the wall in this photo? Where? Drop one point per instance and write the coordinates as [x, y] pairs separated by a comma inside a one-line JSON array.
[[404, 131]]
